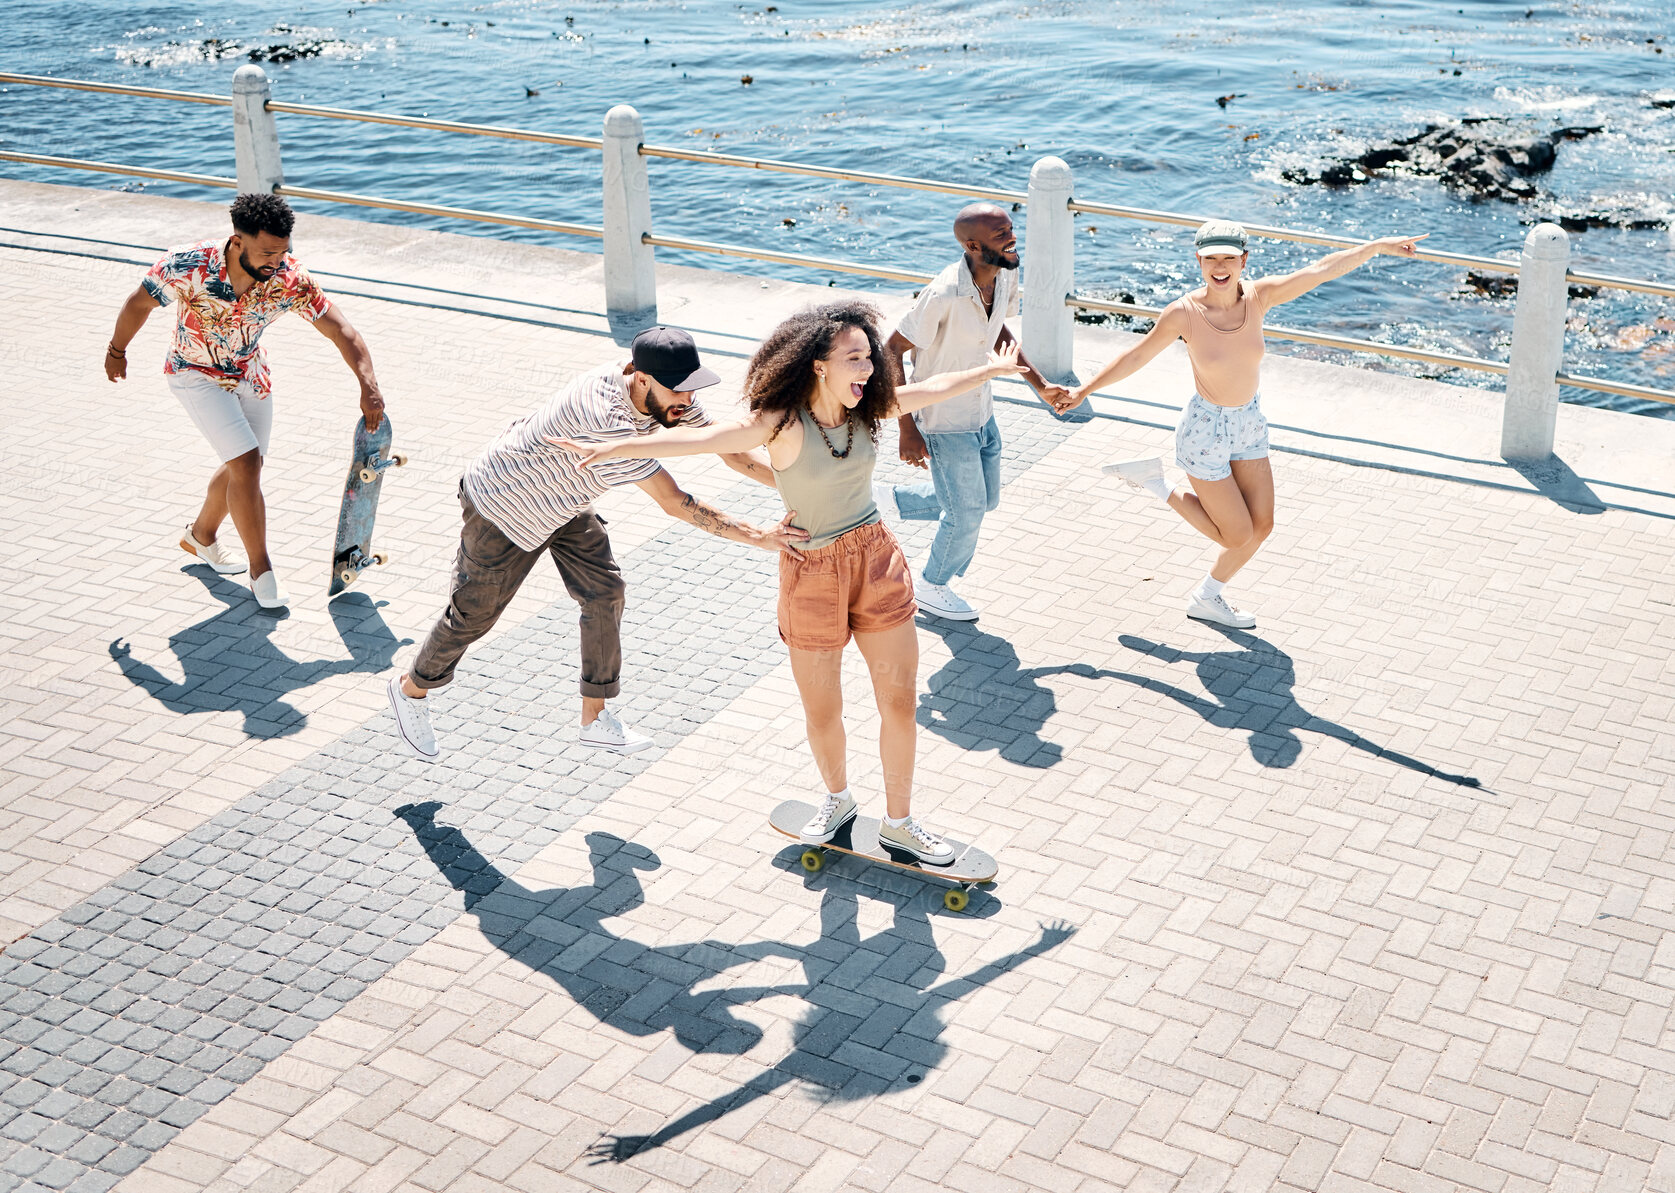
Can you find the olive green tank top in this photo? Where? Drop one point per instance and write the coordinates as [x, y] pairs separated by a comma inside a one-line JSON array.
[[831, 496]]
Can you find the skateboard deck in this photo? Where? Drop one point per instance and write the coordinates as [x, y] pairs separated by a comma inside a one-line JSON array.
[[353, 553], [859, 838]]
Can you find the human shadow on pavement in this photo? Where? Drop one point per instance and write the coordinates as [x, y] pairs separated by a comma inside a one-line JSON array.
[[849, 1045], [1252, 689], [229, 663], [559, 933], [982, 698]]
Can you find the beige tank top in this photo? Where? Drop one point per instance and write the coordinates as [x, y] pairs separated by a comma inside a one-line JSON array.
[[1226, 365], [831, 496]]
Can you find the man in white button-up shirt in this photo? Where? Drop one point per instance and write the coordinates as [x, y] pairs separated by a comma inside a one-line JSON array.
[[960, 315]]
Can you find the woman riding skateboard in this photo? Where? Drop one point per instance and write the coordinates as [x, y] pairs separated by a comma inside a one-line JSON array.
[[817, 389]]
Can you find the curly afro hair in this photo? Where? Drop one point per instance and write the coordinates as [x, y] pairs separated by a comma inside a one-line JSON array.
[[256, 213], [781, 374]]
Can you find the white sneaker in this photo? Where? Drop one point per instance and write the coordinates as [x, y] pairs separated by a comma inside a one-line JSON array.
[[835, 811], [268, 593], [214, 554], [943, 601], [412, 721], [884, 497], [916, 839], [607, 732], [1140, 474], [1217, 609]]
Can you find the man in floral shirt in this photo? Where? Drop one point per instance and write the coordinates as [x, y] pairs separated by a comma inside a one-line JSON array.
[[226, 294]]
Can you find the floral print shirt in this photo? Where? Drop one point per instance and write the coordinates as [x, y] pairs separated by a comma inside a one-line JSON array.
[[218, 332]]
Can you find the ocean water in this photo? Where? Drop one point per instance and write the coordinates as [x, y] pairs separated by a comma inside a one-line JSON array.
[[974, 91]]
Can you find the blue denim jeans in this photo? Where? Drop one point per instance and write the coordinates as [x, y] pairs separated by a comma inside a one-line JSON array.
[[964, 485]]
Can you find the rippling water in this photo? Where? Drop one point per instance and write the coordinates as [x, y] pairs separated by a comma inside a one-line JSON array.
[[971, 90]]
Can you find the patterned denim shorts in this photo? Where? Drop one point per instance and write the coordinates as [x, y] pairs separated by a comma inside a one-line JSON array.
[[1209, 436]]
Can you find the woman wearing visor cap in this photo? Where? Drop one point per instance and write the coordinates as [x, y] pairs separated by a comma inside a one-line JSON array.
[[1221, 442]]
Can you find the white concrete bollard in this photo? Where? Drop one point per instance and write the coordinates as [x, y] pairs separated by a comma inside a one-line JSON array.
[[1538, 327], [630, 271], [255, 139], [1049, 271]]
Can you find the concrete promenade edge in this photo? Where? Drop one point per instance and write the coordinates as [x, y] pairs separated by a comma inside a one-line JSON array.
[[1374, 897]]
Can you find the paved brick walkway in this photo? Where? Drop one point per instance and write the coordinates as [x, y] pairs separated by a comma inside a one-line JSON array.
[[1372, 898]]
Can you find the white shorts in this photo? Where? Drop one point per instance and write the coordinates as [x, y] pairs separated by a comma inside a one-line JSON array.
[[1208, 436], [232, 422]]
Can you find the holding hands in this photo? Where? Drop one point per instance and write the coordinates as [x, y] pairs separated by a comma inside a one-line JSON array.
[[1059, 398]]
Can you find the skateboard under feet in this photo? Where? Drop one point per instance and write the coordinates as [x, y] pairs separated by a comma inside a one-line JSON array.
[[970, 867], [353, 553]]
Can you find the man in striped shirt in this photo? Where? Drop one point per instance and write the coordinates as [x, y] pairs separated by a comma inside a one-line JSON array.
[[525, 496]]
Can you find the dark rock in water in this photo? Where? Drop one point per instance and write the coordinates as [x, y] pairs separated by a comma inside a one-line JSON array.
[[1495, 285], [1505, 285], [293, 50], [1606, 217], [216, 49], [1466, 157]]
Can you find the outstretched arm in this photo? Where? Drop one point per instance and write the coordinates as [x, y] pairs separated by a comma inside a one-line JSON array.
[[128, 323], [1270, 292], [1002, 361], [1170, 326], [678, 503], [1052, 935], [722, 439], [341, 332], [1055, 396]]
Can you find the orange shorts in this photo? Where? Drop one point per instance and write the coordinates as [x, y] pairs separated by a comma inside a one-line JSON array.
[[858, 584]]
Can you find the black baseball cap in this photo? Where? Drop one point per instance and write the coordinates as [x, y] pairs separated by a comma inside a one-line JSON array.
[[669, 355]]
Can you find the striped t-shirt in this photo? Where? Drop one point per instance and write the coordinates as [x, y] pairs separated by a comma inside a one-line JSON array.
[[529, 488]]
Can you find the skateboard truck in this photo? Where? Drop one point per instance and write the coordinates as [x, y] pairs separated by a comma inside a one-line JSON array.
[[955, 898], [349, 569], [373, 467]]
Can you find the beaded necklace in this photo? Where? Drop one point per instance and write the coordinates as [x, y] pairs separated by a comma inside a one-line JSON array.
[[849, 422]]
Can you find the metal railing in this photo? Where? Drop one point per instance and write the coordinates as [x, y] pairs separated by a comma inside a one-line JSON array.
[[823, 263], [442, 126], [79, 163], [452, 213], [707, 157], [643, 239], [187, 97]]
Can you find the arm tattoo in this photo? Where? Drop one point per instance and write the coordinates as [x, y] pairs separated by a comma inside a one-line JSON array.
[[707, 517]]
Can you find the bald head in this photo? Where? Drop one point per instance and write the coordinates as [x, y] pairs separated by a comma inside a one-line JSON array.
[[975, 219], [985, 233]]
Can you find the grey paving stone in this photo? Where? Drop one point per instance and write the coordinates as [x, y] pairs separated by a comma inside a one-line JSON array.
[[25, 1162], [123, 1160], [24, 1127], [60, 1173]]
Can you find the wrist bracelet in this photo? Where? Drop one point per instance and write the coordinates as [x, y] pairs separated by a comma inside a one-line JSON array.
[[113, 350]]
